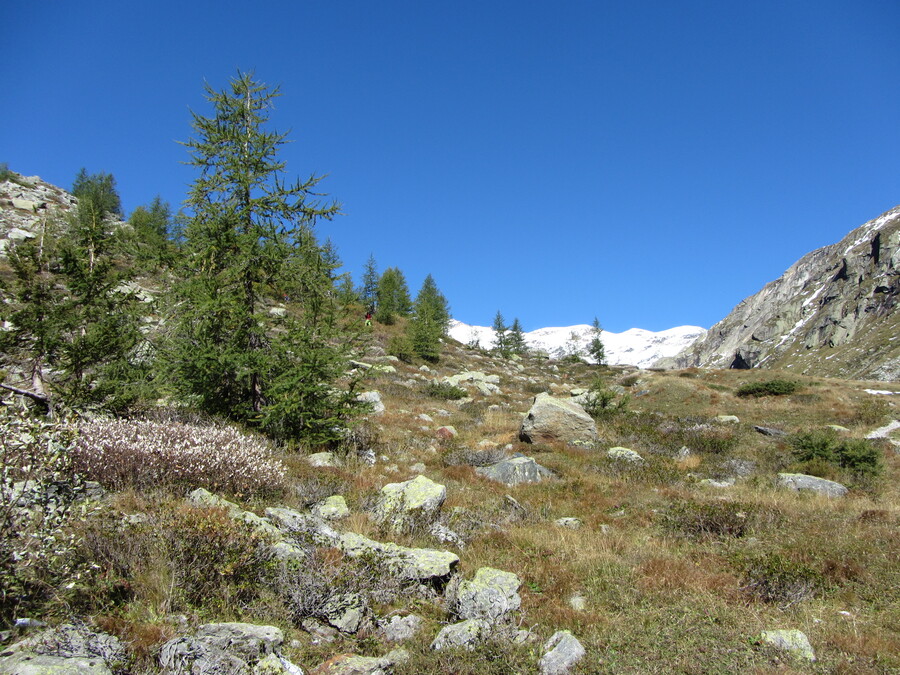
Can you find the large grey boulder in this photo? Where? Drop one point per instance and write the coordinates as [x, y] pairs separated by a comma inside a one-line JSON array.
[[401, 628], [556, 419], [227, 649], [68, 648], [403, 505], [414, 564], [800, 481], [561, 653], [465, 634], [492, 595], [515, 470]]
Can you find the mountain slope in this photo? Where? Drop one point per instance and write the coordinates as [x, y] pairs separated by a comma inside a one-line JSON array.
[[635, 346], [831, 313]]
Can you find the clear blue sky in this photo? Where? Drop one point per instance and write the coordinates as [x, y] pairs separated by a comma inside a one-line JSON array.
[[651, 163]]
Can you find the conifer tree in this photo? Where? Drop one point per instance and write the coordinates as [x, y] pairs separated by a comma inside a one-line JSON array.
[[149, 242], [516, 338], [595, 346], [501, 343], [392, 296], [368, 292], [249, 242], [429, 322]]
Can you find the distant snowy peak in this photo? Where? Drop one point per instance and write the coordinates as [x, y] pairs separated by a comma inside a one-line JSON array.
[[635, 346]]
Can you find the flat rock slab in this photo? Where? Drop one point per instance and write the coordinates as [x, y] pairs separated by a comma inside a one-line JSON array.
[[515, 470], [800, 481], [465, 635], [793, 641], [491, 595], [561, 653], [25, 663]]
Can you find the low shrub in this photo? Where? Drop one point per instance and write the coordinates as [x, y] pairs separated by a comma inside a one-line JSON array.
[[143, 454], [445, 391], [825, 447], [775, 387], [602, 402], [700, 520], [469, 457], [776, 579]]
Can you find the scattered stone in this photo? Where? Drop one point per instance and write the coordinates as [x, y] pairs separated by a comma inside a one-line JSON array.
[[319, 632], [793, 641], [561, 653], [400, 628], [425, 418], [403, 505], [709, 482], [446, 432], [353, 664], [739, 467], [515, 470], [769, 431], [204, 498], [445, 535], [332, 508], [323, 459], [555, 419], [492, 594], [620, 454], [418, 467], [684, 453], [727, 419], [570, 523], [800, 481], [465, 634], [838, 428], [373, 398]]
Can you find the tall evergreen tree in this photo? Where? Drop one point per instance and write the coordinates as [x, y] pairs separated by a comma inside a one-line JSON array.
[[368, 292], [393, 296], [250, 242], [516, 338], [501, 342], [595, 346], [429, 322], [150, 227]]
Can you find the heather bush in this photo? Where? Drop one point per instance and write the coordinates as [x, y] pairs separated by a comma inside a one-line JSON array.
[[701, 520], [816, 450], [779, 580], [445, 391], [142, 454]]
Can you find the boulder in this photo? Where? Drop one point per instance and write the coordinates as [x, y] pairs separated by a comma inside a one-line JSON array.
[[561, 653], [68, 648], [400, 628], [373, 398], [793, 641], [624, 455], [332, 508], [345, 611], [26, 663], [465, 634], [800, 481], [728, 419], [227, 649], [403, 505], [446, 432], [353, 664], [492, 595], [556, 419], [569, 523], [323, 459], [417, 564], [515, 470]]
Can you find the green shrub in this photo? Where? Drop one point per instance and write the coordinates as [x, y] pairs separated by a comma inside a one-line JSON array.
[[700, 520], [445, 391], [779, 580], [401, 347], [768, 388], [602, 402], [5, 173], [825, 447]]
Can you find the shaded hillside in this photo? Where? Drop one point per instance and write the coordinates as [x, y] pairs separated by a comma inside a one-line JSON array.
[[832, 313]]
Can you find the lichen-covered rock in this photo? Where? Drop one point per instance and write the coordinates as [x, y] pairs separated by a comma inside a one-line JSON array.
[[515, 470], [352, 664], [420, 564], [561, 653], [624, 455], [568, 523], [793, 641], [800, 481], [26, 663], [323, 459], [345, 611], [416, 501], [465, 634], [400, 628], [225, 649], [332, 508], [491, 594], [556, 419]]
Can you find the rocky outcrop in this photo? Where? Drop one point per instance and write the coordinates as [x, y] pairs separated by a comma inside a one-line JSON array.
[[832, 313], [26, 205]]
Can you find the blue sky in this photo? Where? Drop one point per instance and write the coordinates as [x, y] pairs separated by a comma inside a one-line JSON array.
[[649, 163]]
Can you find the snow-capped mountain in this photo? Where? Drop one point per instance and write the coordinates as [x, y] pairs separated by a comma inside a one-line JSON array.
[[635, 346]]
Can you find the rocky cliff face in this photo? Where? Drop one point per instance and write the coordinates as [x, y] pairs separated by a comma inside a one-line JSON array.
[[25, 203], [834, 312]]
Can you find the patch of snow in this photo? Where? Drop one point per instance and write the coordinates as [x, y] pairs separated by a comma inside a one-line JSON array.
[[881, 392]]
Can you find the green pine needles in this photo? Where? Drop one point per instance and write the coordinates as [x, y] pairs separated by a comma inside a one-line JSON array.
[[249, 244]]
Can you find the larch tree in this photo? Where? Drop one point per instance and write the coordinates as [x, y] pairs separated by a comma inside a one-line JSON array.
[[430, 321], [249, 243]]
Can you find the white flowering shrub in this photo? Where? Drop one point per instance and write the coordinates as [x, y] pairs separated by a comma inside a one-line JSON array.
[[142, 453]]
